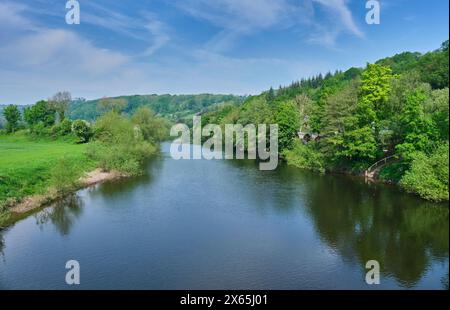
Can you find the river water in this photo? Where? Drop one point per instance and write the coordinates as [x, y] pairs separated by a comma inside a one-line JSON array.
[[198, 224]]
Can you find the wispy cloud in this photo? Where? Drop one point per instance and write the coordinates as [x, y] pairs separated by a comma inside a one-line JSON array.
[[59, 49], [238, 18], [340, 20], [146, 27]]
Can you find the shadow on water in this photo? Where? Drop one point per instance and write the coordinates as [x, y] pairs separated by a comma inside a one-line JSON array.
[[62, 214]]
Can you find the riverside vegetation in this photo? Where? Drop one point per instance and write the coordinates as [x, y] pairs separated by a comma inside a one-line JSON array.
[[396, 109], [47, 154]]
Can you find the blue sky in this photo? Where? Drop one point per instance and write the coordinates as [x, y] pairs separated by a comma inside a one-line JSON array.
[[124, 47]]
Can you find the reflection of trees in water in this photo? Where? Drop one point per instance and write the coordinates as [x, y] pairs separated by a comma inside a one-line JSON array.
[[2, 244], [62, 214], [444, 282], [361, 221], [401, 232], [119, 187]]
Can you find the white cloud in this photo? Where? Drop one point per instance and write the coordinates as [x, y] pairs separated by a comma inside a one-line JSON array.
[[243, 17], [147, 28], [62, 49], [342, 17], [158, 30]]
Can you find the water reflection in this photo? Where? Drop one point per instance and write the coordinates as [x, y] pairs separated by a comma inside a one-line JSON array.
[[2, 243], [402, 233], [118, 188], [360, 221], [226, 224], [63, 214]]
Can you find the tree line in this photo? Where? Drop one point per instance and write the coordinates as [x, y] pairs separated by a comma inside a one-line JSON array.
[[349, 120]]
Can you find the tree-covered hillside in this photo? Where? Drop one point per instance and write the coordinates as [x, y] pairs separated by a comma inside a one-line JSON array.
[[173, 107], [396, 109]]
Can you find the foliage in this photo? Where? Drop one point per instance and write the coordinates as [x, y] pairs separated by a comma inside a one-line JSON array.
[[40, 113], [60, 103], [12, 116], [428, 175], [287, 118], [64, 175], [119, 144], [397, 106], [153, 128], [176, 108], [111, 104], [65, 127], [82, 130], [305, 157], [416, 128], [433, 67]]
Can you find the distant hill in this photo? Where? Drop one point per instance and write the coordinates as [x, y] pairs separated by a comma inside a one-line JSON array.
[[173, 107]]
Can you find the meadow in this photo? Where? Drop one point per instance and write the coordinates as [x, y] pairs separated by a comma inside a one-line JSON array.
[[29, 166]]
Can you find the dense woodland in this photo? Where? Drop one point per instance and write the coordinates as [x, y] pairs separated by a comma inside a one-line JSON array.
[[177, 108], [397, 108]]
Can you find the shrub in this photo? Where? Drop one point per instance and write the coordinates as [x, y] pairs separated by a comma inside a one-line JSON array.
[[305, 157], [65, 127], [428, 176], [65, 175], [118, 146], [153, 128], [82, 130], [40, 130]]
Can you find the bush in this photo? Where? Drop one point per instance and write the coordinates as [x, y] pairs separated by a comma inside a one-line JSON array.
[[40, 130], [153, 128], [118, 145], [82, 130], [305, 157], [428, 176], [65, 175]]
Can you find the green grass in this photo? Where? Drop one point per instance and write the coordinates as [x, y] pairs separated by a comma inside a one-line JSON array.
[[27, 167]]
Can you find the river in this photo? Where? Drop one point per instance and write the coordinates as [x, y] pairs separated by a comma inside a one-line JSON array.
[[199, 224]]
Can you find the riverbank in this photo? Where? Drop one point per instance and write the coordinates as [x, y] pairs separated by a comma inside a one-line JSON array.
[[92, 178]]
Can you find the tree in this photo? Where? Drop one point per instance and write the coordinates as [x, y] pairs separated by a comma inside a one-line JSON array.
[[417, 129], [60, 103], [437, 106], [433, 67], [82, 130], [304, 104], [111, 104], [375, 89], [359, 142], [270, 95], [41, 112], [153, 128], [12, 116], [287, 118]]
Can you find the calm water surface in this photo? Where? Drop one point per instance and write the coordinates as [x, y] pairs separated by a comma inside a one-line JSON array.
[[226, 225]]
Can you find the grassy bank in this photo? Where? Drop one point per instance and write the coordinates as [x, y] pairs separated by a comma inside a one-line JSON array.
[[31, 167], [37, 169]]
